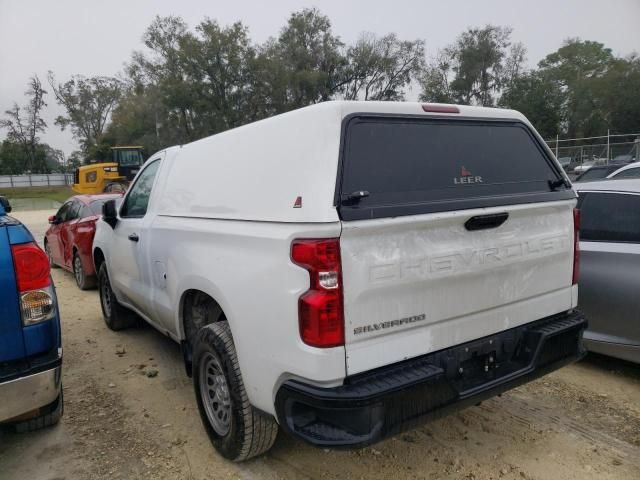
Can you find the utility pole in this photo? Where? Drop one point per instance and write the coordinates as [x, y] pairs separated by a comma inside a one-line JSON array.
[[557, 141], [608, 132]]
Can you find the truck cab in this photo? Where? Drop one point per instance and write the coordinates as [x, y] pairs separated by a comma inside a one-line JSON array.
[[30, 336]]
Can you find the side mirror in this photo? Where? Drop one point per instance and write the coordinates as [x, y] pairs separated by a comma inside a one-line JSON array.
[[6, 206], [110, 213], [53, 220]]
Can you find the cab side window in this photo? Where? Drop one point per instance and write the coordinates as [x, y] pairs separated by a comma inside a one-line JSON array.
[[137, 201]]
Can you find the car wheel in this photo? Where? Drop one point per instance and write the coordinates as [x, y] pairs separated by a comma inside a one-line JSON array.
[[115, 315], [236, 429], [50, 415], [83, 281], [47, 250]]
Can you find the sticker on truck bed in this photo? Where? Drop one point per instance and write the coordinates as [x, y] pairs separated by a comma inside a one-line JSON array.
[[466, 177]]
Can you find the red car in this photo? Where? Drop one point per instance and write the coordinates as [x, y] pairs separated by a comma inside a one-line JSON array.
[[69, 239]]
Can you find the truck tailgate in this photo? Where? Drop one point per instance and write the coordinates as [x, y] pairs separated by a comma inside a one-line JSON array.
[[418, 284]]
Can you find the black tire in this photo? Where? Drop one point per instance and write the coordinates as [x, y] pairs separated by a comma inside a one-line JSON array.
[[84, 281], [115, 187], [47, 250], [51, 415], [250, 431], [115, 315]]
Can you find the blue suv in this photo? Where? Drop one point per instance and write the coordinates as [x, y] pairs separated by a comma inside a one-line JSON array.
[[30, 343]]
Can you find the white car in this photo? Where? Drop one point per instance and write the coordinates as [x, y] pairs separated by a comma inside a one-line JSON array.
[[584, 166], [348, 268], [631, 170]]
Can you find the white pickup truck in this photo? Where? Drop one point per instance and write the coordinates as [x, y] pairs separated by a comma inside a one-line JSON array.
[[349, 268]]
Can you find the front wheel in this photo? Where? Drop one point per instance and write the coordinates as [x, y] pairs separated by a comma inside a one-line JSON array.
[[115, 315], [236, 429]]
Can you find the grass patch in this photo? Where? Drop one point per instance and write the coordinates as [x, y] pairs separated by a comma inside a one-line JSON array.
[[59, 194]]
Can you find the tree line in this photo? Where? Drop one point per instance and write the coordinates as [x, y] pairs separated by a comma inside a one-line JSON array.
[[191, 83]]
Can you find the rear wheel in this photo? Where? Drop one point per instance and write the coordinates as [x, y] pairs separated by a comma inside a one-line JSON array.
[[236, 429], [83, 281], [115, 315]]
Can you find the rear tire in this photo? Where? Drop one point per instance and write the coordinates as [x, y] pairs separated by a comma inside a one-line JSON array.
[[237, 430], [115, 315], [83, 281], [52, 415]]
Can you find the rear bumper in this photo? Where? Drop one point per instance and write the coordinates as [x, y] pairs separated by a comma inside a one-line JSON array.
[[385, 401], [31, 392]]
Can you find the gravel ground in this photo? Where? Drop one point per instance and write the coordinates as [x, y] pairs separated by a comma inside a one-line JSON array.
[[130, 413]]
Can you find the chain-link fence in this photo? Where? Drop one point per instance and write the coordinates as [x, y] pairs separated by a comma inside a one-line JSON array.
[[610, 148]]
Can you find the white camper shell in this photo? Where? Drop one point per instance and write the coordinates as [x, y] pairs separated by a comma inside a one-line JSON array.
[[362, 264]]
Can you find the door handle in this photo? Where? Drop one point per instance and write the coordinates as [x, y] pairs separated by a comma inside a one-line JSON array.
[[133, 237], [482, 222]]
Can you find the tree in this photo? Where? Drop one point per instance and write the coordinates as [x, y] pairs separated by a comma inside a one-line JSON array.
[[539, 99], [54, 158], [192, 84], [88, 103], [617, 94], [436, 79], [14, 158], [576, 67], [24, 124], [379, 68], [475, 69], [159, 76], [311, 58], [74, 161], [216, 62], [141, 118], [269, 83]]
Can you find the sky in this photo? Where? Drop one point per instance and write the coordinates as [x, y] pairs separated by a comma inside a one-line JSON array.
[[91, 37]]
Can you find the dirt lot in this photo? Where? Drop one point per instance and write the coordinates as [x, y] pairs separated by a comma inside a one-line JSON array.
[[130, 413]]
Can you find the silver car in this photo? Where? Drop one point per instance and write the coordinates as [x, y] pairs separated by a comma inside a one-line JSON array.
[[609, 285]]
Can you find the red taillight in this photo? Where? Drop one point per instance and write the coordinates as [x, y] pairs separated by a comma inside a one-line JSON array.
[[32, 267], [430, 108], [320, 310], [576, 245]]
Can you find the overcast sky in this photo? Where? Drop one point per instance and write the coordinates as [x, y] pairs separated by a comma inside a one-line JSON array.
[[96, 37]]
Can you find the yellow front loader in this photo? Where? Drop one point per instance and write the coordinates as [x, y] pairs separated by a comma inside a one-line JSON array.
[[109, 176]]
